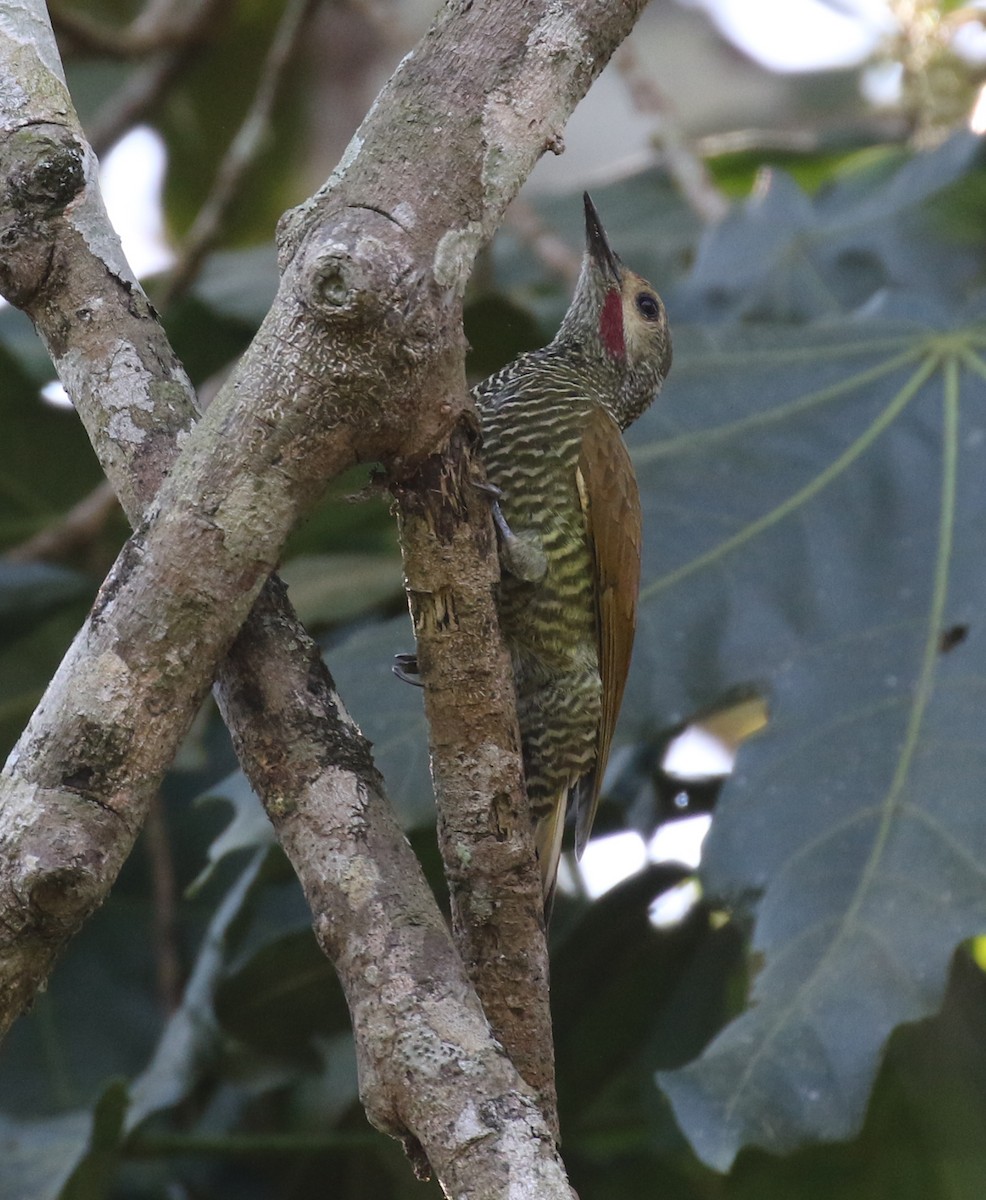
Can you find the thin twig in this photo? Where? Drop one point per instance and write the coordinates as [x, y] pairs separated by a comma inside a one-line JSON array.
[[241, 153], [167, 966], [145, 86], [161, 26], [686, 168], [553, 252], [75, 530], [92, 36]]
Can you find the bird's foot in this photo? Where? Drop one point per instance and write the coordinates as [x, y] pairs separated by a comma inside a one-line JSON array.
[[406, 668], [490, 489], [500, 521], [520, 554]]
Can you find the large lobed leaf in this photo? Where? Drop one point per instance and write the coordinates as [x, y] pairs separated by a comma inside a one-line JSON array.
[[831, 547], [814, 498]]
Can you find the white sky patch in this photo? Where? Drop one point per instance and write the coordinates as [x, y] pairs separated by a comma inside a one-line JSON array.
[[131, 179], [680, 841], [672, 906], [607, 861], [694, 754], [801, 35], [977, 119], [881, 83], [54, 394], [969, 41], [697, 754]]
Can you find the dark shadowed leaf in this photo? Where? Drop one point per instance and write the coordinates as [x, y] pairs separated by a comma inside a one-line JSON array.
[[922, 1139], [189, 1038], [36, 484], [95, 1172], [390, 712], [642, 974], [784, 256], [240, 284], [815, 526], [41, 607], [283, 997], [31, 590]]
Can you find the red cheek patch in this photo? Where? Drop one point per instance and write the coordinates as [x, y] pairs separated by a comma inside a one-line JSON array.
[[611, 324]]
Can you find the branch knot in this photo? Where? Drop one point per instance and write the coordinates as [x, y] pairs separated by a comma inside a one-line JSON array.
[[45, 174]]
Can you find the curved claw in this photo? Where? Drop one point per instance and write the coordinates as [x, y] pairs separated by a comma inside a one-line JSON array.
[[405, 668], [521, 554], [490, 489], [500, 521]]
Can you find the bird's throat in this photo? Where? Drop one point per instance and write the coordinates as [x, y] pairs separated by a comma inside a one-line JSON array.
[[611, 324]]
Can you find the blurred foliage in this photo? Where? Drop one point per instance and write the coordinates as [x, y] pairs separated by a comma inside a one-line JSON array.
[[813, 487]]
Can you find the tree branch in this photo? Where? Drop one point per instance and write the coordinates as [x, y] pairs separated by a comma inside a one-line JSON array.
[[430, 1072], [484, 822], [74, 531], [359, 358]]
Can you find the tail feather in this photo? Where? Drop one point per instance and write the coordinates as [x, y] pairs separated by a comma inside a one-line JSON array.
[[548, 835]]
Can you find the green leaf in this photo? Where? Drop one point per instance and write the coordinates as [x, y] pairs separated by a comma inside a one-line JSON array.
[[31, 590], [922, 1139], [249, 829], [327, 589], [817, 521], [34, 486], [283, 998], [39, 1155], [189, 1038], [785, 256], [645, 975], [41, 608], [239, 284], [92, 1177]]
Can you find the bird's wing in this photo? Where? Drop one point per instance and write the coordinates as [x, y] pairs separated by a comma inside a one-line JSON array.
[[611, 510]]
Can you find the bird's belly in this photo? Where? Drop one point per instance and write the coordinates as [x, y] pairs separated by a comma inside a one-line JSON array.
[[550, 630]]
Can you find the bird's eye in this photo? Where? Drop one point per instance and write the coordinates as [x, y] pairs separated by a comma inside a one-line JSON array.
[[648, 306]]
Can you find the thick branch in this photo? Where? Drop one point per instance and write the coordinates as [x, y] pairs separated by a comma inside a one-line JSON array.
[[363, 335], [484, 822], [430, 1072]]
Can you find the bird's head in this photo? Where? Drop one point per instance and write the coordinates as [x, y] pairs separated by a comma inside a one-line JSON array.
[[620, 324]]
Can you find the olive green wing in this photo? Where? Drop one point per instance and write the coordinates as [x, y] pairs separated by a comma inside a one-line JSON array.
[[611, 509]]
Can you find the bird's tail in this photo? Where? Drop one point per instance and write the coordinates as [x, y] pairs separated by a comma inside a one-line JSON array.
[[547, 841]]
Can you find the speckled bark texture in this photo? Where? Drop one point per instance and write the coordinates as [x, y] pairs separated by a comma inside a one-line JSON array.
[[360, 358], [484, 824]]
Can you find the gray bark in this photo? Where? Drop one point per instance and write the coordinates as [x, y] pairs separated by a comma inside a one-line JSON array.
[[360, 358]]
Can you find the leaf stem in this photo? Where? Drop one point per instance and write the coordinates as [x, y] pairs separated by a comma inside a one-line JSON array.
[[808, 492]]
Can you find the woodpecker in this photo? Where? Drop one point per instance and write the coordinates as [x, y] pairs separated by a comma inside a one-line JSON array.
[[567, 512]]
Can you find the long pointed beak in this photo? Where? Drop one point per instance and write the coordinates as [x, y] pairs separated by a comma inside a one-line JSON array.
[[596, 243]]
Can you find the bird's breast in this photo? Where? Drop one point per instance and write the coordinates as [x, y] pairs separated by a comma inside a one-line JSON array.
[[531, 453]]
